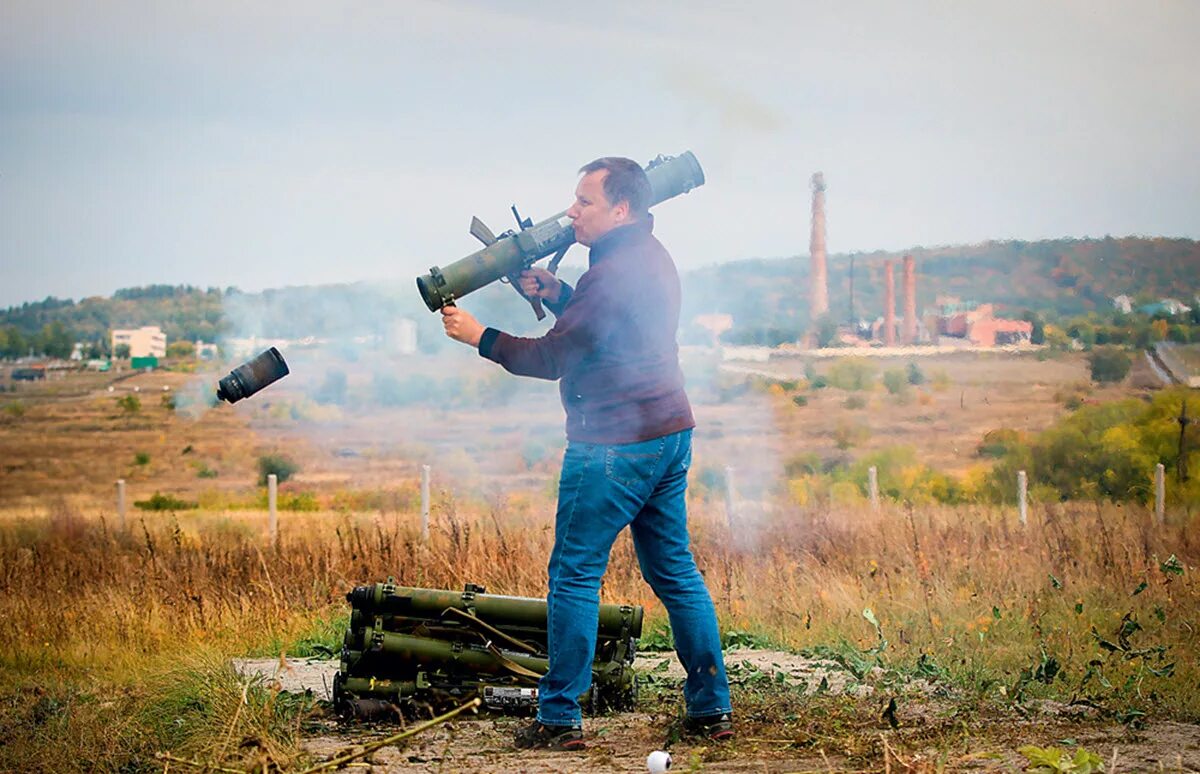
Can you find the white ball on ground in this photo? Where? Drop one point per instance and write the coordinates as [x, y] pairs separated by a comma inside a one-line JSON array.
[[658, 761]]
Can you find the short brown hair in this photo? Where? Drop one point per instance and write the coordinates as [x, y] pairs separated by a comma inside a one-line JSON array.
[[626, 182]]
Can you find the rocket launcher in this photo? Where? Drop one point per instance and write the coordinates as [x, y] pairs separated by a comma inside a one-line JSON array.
[[412, 647], [504, 257]]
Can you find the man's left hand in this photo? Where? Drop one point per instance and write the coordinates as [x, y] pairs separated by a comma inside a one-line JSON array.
[[461, 326]]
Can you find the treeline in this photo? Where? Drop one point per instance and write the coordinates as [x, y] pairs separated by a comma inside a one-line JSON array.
[[1054, 279], [1065, 283], [1128, 330], [187, 313], [53, 339], [182, 311]]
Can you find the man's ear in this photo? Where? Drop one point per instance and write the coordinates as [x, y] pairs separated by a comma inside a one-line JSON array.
[[621, 211]]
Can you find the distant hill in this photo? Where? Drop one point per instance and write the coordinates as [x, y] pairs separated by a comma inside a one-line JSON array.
[[1057, 278], [768, 297]]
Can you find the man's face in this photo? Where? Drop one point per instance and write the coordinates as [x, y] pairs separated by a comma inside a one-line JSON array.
[[592, 214]]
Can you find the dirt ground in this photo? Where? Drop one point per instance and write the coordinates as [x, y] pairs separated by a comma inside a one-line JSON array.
[[621, 742]]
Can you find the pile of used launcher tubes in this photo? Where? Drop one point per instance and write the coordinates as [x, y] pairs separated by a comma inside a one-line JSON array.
[[411, 651]]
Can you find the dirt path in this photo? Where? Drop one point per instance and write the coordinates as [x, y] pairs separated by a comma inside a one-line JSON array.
[[621, 742]]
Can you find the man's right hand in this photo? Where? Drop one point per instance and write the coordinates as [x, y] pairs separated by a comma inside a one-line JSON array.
[[539, 283]]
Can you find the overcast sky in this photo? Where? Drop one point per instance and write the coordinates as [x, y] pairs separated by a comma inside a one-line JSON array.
[[270, 144]]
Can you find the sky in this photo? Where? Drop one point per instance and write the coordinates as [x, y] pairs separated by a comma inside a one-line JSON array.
[[268, 144]]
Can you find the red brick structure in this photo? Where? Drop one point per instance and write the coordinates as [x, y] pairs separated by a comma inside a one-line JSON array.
[[889, 304], [816, 248], [910, 301]]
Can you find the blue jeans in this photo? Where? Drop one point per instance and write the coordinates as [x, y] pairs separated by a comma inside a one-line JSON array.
[[603, 489]]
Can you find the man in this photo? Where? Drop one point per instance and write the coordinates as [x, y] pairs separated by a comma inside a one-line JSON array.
[[629, 433]]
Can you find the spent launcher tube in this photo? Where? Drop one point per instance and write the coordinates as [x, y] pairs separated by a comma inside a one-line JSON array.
[[416, 647], [500, 610], [507, 255]]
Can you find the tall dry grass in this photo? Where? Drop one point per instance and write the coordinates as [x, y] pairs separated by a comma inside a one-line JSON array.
[[965, 592]]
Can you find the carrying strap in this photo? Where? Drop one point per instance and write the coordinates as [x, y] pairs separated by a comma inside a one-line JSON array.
[[511, 665], [492, 631]]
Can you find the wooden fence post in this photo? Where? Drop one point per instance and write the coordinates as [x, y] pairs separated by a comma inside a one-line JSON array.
[[873, 486], [730, 512], [1022, 492], [1160, 494], [272, 515], [425, 502], [121, 504]]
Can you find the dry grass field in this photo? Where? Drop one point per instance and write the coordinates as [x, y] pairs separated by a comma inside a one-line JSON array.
[[71, 438], [1076, 631]]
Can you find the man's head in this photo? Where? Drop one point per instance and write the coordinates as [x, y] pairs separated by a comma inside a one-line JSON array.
[[613, 192]]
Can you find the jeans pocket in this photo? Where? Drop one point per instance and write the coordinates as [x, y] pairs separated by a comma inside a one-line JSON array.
[[633, 465]]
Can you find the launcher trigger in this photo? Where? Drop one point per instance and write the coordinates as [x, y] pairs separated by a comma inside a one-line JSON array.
[[552, 267]]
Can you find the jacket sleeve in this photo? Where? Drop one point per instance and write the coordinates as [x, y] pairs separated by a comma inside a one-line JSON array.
[[576, 332], [564, 296]]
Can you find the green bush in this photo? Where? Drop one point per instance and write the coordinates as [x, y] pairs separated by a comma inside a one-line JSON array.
[[826, 330], [800, 400], [129, 403], [941, 380], [182, 348], [806, 464], [902, 476], [916, 376], [162, 502], [1108, 364], [296, 501], [997, 443], [1105, 451], [855, 402], [283, 467], [852, 374], [141, 458], [896, 381]]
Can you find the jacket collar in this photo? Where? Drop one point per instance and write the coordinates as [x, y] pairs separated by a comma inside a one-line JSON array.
[[620, 237]]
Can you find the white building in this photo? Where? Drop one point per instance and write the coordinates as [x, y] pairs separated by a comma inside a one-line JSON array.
[[147, 341], [1173, 307], [241, 348], [206, 351], [403, 337], [1123, 304]]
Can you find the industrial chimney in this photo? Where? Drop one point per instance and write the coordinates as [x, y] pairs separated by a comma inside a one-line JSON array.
[[910, 300], [889, 304], [816, 249]]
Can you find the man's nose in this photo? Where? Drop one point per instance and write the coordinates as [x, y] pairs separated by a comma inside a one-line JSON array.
[[572, 213]]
